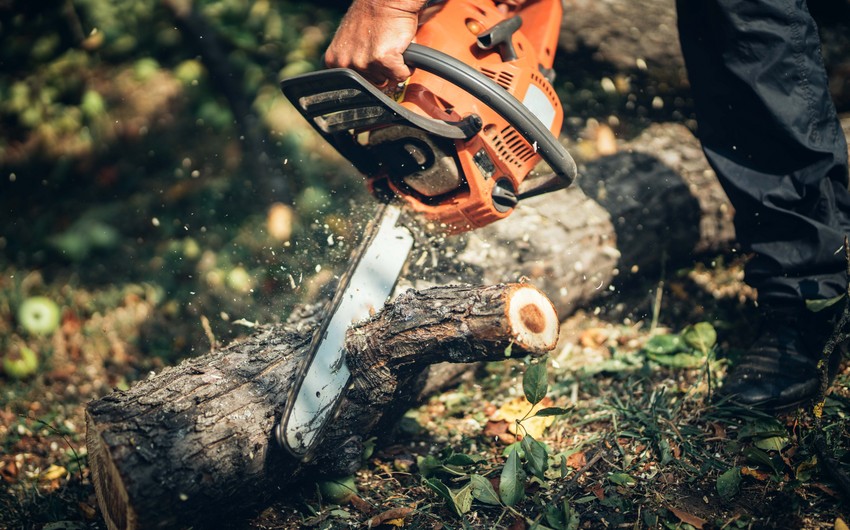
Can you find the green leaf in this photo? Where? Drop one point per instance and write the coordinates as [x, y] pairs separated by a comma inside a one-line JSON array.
[[554, 517], [460, 459], [773, 443], [728, 483], [443, 491], [572, 518], [763, 428], [552, 411], [428, 465], [817, 306], [760, 457], [509, 349], [622, 479], [511, 487], [766, 434], [463, 499], [664, 344], [483, 491], [516, 446], [535, 383], [679, 360], [536, 455], [807, 469], [701, 336]]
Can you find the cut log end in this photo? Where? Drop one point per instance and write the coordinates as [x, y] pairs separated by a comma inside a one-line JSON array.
[[532, 319], [108, 485]]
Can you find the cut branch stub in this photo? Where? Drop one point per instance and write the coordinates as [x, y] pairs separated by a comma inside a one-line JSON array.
[[533, 319]]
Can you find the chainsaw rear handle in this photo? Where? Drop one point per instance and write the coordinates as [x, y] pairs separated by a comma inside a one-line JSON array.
[[498, 99]]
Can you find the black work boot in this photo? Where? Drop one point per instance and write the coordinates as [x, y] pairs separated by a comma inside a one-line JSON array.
[[780, 371]]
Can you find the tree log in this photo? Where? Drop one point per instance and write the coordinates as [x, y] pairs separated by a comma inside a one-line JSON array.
[[194, 443]]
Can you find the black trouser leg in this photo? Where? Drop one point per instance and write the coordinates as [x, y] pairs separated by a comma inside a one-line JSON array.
[[769, 129]]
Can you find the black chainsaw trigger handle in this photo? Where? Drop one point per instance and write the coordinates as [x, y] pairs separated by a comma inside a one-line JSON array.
[[498, 99]]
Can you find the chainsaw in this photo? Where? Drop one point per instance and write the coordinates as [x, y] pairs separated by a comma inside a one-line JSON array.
[[453, 145]]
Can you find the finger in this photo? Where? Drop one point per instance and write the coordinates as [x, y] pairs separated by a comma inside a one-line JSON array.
[[393, 69]]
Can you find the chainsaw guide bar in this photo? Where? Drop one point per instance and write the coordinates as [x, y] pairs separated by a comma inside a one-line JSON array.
[[363, 289]]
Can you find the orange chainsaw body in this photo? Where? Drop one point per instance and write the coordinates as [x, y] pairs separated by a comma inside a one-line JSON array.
[[453, 28], [459, 138]]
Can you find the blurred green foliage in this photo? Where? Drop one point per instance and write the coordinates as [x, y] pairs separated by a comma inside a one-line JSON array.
[[144, 141], [60, 57]]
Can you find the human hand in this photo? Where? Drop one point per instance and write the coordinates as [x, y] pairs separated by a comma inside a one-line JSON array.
[[371, 38]]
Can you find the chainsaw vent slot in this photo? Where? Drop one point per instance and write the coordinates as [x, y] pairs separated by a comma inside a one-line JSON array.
[[336, 97], [502, 78], [344, 109], [512, 147], [544, 85], [345, 120]]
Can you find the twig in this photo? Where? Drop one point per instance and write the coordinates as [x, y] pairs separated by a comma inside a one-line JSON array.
[[659, 294], [205, 323]]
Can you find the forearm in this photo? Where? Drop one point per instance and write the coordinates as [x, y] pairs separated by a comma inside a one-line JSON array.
[[408, 6]]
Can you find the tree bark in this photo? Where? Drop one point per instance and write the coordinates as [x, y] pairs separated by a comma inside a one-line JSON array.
[[194, 443]]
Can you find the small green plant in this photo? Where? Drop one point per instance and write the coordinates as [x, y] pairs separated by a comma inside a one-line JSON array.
[[689, 349], [525, 460]]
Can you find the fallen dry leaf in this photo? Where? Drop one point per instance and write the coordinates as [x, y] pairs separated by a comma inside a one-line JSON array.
[[360, 505], [518, 524], [754, 473], [88, 511], [593, 337], [688, 518], [393, 517], [840, 524], [53, 472], [495, 428], [826, 489], [679, 291], [719, 431], [598, 491], [519, 407], [577, 460]]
